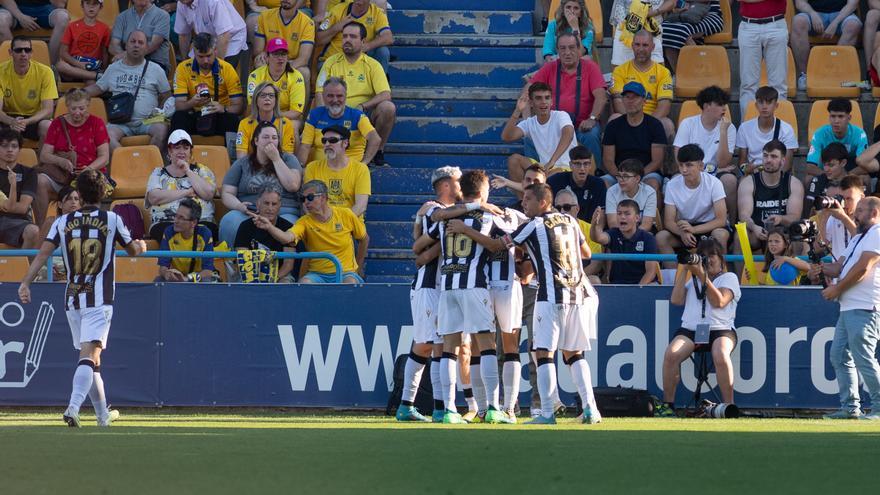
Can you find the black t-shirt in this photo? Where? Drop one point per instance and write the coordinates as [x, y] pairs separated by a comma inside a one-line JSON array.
[[26, 180], [589, 196], [633, 142], [827, 6], [249, 236]]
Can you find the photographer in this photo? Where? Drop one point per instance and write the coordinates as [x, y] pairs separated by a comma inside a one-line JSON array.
[[709, 294], [837, 224], [858, 326]]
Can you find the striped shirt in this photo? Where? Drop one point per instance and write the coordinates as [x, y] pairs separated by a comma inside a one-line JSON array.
[[465, 263], [87, 240], [428, 275], [554, 243], [502, 266]]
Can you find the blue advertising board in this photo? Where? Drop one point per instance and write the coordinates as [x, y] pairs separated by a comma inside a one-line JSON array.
[[334, 346]]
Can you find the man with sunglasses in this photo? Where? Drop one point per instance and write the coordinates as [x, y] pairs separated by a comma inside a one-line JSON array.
[[588, 189], [29, 92], [348, 180], [31, 15], [629, 186]]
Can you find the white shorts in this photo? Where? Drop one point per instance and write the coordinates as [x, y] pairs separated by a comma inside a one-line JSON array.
[[569, 327], [423, 304], [90, 325], [507, 300], [465, 310], [621, 54]]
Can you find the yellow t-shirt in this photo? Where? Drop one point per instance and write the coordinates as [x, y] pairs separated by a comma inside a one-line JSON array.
[[333, 236], [300, 31], [246, 131], [188, 76], [343, 184], [24, 95], [292, 88], [657, 82], [352, 119], [364, 78], [595, 247], [375, 20]]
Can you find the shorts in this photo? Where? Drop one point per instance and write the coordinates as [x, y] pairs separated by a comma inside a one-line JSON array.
[[465, 310], [621, 54], [827, 18], [31, 131], [11, 229], [90, 325], [707, 235], [329, 278], [133, 128], [713, 335], [569, 327], [507, 301], [39, 12], [423, 304]]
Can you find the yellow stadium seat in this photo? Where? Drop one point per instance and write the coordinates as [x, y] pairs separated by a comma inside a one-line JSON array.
[[790, 79], [139, 202], [12, 268], [96, 108], [239, 7], [789, 13], [135, 141], [828, 67], [30, 144], [64, 87], [40, 53], [108, 14], [214, 157], [131, 167], [699, 67], [726, 34], [785, 111], [875, 92], [209, 140], [28, 157], [689, 108], [819, 116], [136, 269], [594, 8]]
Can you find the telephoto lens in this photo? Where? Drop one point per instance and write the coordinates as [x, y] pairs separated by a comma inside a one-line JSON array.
[[719, 411]]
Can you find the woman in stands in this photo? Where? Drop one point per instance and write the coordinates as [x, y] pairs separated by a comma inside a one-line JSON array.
[[68, 202], [265, 108], [571, 16], [679, 28], [265, 162]]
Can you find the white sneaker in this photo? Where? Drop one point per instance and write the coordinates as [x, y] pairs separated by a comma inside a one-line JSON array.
[[802, 82], [71, 417], [111, 417]]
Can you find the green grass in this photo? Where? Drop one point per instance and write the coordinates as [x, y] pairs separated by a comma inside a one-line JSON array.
[[273, 452]]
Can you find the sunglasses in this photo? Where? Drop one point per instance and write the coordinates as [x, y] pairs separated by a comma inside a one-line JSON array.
[[311, 197], [566, 207], [22, 49], [331, 140]]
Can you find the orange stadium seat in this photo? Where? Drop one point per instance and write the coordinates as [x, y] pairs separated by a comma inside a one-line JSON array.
[[689, 108], [699, 67], [40, 53], [876, 122], [790, 80], [28, 157], [139, 202], [789, 13], [136, 269], [209, 140], [131, 167], [108, 14], [135, 141], [828, 67], [214, 157], [785, 111], [726, 34], [819, 116], [12, 268], [96, 108]]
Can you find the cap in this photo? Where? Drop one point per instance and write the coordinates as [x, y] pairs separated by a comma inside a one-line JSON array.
[[444, 172], [634, 87], [178, 136], [338, 129], [276, 44]]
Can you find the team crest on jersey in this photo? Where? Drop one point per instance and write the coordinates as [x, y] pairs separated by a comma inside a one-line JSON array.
[[361, 78], [640, 246], [338, 227], [335, 187], [32, 94], [7, 93], [346, 124], [652, 80]]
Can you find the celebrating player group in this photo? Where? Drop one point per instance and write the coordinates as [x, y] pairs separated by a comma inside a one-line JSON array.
[[473, 259]]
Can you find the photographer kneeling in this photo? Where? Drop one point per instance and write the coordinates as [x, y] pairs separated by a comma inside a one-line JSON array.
[[709, 294]]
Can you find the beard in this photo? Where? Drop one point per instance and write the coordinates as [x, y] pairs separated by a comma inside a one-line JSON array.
[[330, 153]]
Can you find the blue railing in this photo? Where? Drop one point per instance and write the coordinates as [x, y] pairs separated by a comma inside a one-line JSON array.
[[190, 254]]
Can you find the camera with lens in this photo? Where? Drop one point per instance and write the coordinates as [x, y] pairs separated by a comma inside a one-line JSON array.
[[708, 409], [823, 202], [804, 230], [685, 257]]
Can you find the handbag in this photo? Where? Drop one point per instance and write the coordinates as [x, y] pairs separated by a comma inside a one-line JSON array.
[[120, 107], [55, 171], [693, 15]]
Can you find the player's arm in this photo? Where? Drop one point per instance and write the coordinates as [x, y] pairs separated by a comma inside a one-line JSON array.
[[456, 211], [135, 247], [428, 255], [491, 243], [24, 291], [422, 243]]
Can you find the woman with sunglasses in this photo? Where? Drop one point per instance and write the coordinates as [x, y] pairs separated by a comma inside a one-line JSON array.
[[265, 162], [265, 108]]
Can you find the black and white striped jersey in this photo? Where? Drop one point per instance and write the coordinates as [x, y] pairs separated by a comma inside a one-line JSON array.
[[87, 238], [465, 263], [554, 244], [502, 265], [428, 275]]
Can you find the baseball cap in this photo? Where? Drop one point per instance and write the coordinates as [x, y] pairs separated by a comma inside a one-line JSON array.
[[444, 172], [276, 44], [635, 88], [178, 136], [338, 129]]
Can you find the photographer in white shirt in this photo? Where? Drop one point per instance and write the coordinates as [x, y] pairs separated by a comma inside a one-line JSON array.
[[837, 224], [858, 326]]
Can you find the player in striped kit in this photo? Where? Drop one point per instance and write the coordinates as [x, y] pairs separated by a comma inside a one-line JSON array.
[[87, 239]]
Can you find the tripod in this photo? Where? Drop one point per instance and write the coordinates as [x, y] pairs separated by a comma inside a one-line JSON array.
[[701, 358]]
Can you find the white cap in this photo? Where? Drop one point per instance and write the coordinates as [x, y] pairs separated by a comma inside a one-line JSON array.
[[178, 136], [444, 172]]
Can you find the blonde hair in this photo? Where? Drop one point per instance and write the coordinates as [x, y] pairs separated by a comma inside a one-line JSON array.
[[255, 109], [76, 94], [584, 22]]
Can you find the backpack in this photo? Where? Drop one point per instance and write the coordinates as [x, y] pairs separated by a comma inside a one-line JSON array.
[[131, 217], [618, 402]]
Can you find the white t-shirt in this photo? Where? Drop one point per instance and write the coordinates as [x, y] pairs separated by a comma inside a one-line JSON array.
[[717, 318], [691, 131], [546, 136], [837, 235], [694, 205], [865, 294], [749, 136], [645, 196]]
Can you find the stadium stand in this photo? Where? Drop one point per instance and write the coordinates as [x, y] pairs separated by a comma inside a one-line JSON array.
[[12, 269], [829, 69], [136, 269], [214, 157], [791, 80], [131, 167], [726, 34], [699, 67]]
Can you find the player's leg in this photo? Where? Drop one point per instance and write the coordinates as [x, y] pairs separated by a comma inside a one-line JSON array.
[[677, 351], [469, 378], [580, 323], [436, 386], [508, 305], [546, 339], [481, 326], [421, 303], [450, 316]]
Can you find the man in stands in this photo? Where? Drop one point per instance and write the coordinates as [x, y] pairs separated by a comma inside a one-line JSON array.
[[653, 76], [187, 235], [27, 102], [634, 135], [378, 36], [349, 180], [31, 15], [154, 21], [824, 18], [627, 238], [367, 84], [215, 17], [694, 205], [753, 134], [583, 104], [762, 37], [249, 236], [551, 131], [364, 141], [289, 23], [838, 130], [18, 188], [587, 188]]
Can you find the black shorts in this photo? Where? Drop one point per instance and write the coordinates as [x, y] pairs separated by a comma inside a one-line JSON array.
[[32, 131], [11, 229], [713, 335]]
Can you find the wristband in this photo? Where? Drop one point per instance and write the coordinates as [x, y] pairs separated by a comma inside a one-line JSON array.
[[474, 205]]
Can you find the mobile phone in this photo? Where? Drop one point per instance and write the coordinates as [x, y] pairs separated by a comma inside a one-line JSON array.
[[252, 208]]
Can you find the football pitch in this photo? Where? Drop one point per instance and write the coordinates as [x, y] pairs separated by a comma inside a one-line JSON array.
[[274, 452]]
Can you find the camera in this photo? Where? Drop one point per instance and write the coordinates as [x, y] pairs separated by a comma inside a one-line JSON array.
[[685, 257], [804, 230], [708, 409], [203, 90], [823, 202]]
